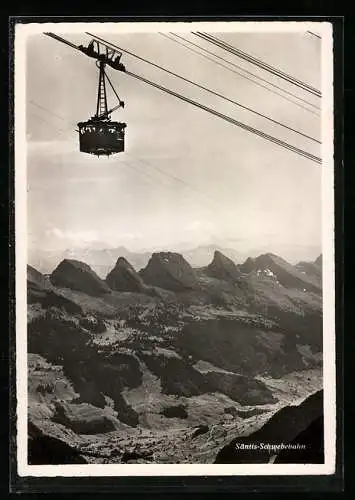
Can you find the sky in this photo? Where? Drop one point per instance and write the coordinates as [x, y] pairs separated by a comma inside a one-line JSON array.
[[186, 178]]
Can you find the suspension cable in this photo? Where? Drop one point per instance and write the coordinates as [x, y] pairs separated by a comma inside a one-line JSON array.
[[229, 119], [314, 34], [48, 111], [241, 74], [258, 62], [60, 39]]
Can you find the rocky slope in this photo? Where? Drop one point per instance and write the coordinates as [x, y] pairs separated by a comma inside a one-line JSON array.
[[285, 426], [44, 449], [286, 274], [312, 269]]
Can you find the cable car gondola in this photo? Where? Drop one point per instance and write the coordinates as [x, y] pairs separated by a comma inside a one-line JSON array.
[[99, 135]]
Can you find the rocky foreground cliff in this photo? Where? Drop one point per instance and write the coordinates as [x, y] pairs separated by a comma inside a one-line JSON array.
[[170, 363]]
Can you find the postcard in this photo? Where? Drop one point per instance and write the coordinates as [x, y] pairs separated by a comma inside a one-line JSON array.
[[174, 248]]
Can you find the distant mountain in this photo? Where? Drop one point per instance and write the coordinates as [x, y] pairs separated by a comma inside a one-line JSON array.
[[78, 276], [102, 261], [285, 273], [202, 255], [44, 261], [171, 271]]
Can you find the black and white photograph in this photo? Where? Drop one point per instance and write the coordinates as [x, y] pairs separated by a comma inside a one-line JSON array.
[[174, 248]]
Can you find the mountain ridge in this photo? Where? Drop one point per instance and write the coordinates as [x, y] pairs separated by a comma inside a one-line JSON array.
[[102, 260], [169, 272], [287, 274]]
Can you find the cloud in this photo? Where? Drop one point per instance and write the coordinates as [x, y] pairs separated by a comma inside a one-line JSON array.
[[200, 226], [71, 238], [118, 238], [75, 237]]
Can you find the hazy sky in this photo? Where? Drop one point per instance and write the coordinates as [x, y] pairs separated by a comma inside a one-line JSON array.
[[187, 178]]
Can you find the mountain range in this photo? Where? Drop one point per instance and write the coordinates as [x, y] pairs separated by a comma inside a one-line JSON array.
[[168, 361], [102, 259]]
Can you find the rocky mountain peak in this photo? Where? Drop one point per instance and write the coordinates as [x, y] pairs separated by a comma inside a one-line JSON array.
[[222, 267], [171, 271], [77, 275], [122, 262], [124, 278]]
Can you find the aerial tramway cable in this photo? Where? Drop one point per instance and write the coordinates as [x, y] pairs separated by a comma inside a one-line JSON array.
[[314, 34], [229, 119], [237, 123], [50, 112], [43, 120], [63, 40], [179, 37], [258, 62], [202, 87]]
